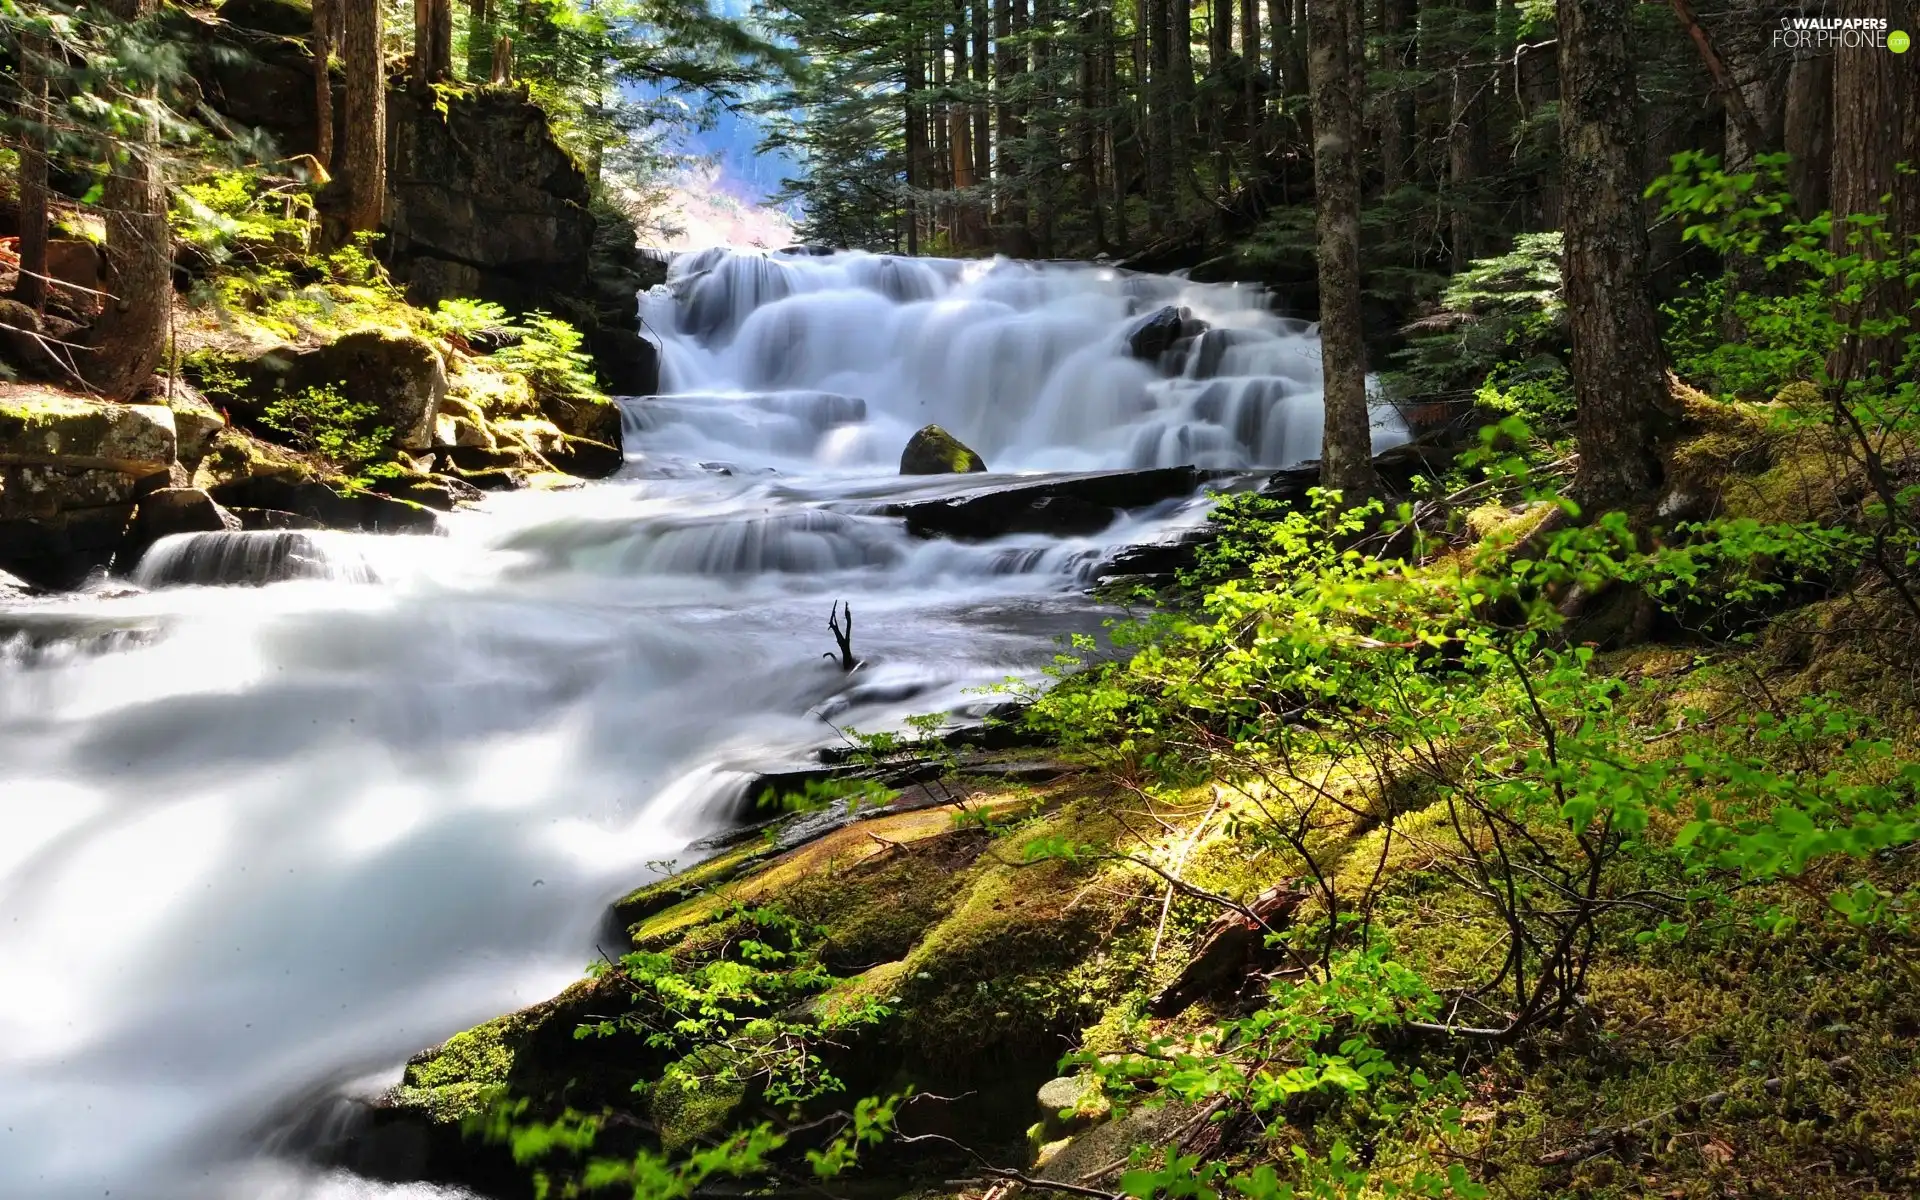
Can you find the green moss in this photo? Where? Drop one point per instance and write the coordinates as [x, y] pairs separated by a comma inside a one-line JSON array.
[[696, 1104], [663, 894], [455, 1079]]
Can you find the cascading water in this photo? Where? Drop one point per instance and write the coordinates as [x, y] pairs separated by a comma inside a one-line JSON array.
[[259, 843]]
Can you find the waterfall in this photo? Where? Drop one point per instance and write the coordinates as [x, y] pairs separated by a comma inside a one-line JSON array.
[[837, 359], [302, 804]]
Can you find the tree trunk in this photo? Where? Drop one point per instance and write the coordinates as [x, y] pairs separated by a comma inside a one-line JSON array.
[[1399, 19], [916, 129], [1250, 87], [1160, 97], [323, 42], [1183, 110], [432, 41], [1017, 197], [363, 158], [1876, 106], [982, 14], [1346, 455], [1467, 129], [126, 342], [1807, 136], [1619, 382], [32, 287], [480, 34], [1005, 119]]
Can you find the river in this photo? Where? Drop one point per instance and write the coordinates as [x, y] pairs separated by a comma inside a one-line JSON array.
[[260, 843]]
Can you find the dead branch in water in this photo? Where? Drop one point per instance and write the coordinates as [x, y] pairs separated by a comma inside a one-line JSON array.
[[843, 634]]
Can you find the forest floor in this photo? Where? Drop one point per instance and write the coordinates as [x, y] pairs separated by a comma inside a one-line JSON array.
[[1768, 1048]]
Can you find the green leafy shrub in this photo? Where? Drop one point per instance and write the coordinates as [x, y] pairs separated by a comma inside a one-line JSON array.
[[469, 319], [1507, 309], [324, 421], [548, 354]]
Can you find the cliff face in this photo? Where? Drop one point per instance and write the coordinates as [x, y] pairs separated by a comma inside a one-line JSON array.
[[482, 201]]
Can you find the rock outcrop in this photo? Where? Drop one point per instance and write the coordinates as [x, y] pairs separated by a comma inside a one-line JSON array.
[[402, 378], [482, 201], [171, 510], [71, 471], [934, 451]]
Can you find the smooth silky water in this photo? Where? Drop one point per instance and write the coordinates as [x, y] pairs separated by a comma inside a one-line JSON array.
[[297, 805]]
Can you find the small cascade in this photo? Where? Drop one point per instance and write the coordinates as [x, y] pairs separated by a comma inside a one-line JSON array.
[[251, 557]]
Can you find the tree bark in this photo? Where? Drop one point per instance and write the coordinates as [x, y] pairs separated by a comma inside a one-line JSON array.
[[1400, 20], [322, 46], [1876, 105], [1619, 380], [1160, 98], [1467, 129], [1346, 455], [363, 158], [982, 15], [126, 342], [1807, 136], [32, 288], [916, 133], [480, 34], [432, 41]]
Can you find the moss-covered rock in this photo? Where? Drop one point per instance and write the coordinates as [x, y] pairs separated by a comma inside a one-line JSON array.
[[400, 378], [934, 451]]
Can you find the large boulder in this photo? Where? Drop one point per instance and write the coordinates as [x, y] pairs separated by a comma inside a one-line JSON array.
[[46, 428], [71, 468], [1163, 336], [401, 376], [934, 451]]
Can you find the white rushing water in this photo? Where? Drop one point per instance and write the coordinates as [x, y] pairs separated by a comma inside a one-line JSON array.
[[261, 841]]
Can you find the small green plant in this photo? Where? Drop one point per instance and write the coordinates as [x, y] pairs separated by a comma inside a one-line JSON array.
[[548, 354], [324, 421], [468, 319]]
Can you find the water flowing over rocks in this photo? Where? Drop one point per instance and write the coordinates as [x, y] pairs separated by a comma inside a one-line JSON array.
[[312, 800]]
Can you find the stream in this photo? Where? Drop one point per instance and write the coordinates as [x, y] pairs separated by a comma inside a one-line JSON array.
[[258, 844]]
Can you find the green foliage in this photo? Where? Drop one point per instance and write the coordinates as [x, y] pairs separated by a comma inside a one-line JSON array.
[[324, 421], [548, 354], [468, 319], [1841, 320], [1500, 338], [234, 217]]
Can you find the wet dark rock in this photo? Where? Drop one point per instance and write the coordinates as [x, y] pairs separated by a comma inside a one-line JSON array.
[[167, 511], [587, 458], [1162, 335], [273, 518], [1064, 505], [934, 451], [318, 502]]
